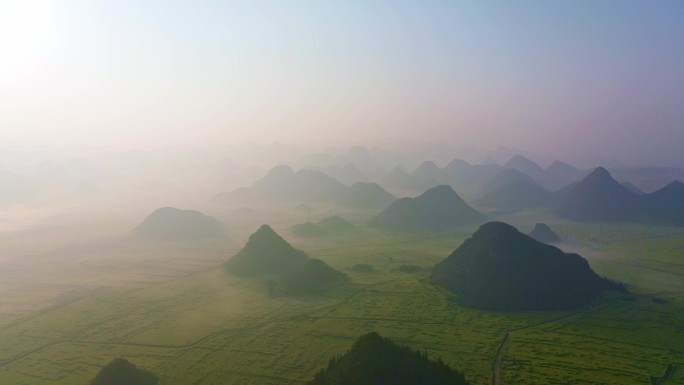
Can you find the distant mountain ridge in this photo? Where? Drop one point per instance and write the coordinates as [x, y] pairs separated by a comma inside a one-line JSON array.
[[283, 183], [482, 178], [599, 197]]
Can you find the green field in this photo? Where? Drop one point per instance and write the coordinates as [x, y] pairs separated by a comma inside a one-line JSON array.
[[196, 325]]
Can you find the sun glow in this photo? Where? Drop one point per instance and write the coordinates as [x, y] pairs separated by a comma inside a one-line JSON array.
[[28, 37]]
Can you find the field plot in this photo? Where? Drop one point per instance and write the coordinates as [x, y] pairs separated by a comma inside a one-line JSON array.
[[201, 326], [620, 341], [625, 340]]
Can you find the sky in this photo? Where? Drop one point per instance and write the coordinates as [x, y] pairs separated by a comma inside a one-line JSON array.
[[568, 79]]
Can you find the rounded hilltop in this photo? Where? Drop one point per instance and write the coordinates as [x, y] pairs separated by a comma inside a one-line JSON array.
[[500, 268]]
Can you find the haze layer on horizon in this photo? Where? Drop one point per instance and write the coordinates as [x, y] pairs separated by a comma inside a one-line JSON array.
[[565, 79]]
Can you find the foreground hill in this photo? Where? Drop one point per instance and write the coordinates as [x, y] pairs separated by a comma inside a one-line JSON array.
[[168, 223], [500, 268], [122, 372], [597, 197], [375, 360], [438, 208], [543, 233], [265, 253]]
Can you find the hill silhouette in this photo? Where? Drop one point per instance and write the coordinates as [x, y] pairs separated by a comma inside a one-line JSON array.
[[631, 187], [597, 197], [436, 209], [648, 179], [427, 175], [366, 195], [285, 184], [335, 223], [470, 178], [500, 268], [310, 278], [525, 166], [505, 177], [122, 372], [265, 253], [168, 223], [396, 178], [375, 360], [307, 229], [347, 174], [517, 194], [543, 233], [663, 207], [558, 175]]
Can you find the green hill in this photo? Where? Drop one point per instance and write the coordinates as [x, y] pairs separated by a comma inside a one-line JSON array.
[[171, 224], [439, 208], [265, 253], [501, 268], [375, 360], [122, 372]]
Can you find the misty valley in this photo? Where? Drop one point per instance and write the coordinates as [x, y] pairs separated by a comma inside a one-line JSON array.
[[273, 192], [279, 265]]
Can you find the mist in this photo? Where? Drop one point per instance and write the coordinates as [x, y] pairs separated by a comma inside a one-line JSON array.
[[262, 192], [574, 81]]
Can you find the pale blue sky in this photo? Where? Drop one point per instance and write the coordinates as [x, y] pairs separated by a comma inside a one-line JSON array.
[[566, 77]]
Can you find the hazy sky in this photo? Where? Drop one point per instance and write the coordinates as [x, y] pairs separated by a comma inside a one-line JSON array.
[[560, 77]]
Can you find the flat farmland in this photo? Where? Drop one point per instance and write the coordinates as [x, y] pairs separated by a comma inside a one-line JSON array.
[[194, 324]]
